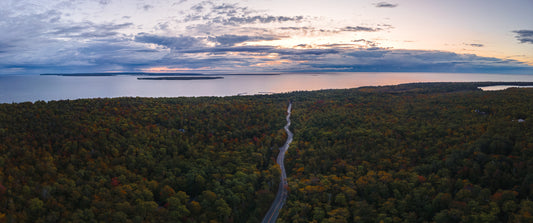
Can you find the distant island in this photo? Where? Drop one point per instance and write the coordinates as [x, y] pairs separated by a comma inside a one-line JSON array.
[[151, 74], [117, 74], [250, 74], [178, 78]]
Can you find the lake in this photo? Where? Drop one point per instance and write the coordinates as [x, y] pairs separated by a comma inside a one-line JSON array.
[[21, 88]]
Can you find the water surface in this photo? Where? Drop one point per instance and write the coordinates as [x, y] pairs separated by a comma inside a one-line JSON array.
[[502, 87], [21, 88]]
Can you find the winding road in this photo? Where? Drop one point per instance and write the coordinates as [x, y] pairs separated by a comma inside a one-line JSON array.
[[273, 212]]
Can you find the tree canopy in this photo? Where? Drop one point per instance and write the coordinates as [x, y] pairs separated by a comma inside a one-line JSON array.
[[441, 152]]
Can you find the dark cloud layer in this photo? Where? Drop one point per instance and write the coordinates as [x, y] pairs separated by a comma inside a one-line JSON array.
[[524, 36], [230, 40], [383, 60]]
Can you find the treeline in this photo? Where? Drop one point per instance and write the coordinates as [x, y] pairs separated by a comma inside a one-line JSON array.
[[139, 160], [437, 152]]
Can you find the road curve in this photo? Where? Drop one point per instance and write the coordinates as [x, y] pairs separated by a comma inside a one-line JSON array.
[[273, 212]]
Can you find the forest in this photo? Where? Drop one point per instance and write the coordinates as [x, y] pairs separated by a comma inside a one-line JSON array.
[[425, 152]]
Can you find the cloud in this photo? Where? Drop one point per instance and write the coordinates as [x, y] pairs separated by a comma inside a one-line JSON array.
[[524, 36], [179, 2], [475, 44], [367, 43], [230, 40], [239, 49], [230, 9], [305, 51], [385, 5], [104, 2], [4, 47], [247, 50], [198, 7], [147, 7], [28, 40], [307, 30], [388, 60], [176, 43], [295, 28], [88, 30], [365, 53], [360, 29], [233, 15], [234, 20]]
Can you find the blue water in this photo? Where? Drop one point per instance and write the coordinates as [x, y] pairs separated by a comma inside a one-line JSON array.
[[21, 88]]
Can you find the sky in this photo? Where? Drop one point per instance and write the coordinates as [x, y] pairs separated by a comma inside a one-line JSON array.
[[80, 36]]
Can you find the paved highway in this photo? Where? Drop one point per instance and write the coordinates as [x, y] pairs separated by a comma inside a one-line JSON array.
[[273, 212]]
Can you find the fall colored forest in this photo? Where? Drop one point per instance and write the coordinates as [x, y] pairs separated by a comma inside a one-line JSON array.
[[428, 152]]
